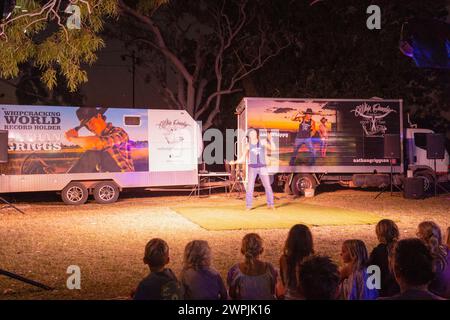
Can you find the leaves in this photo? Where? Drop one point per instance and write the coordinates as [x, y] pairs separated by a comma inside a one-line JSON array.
[[42, 38], [49, 78]]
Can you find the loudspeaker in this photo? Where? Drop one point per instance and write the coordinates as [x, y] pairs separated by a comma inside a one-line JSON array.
[[435, 146], [391, 146], [413, 188], [3, 146]]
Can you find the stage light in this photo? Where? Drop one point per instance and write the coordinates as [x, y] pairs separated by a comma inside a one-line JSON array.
[[427, 42]]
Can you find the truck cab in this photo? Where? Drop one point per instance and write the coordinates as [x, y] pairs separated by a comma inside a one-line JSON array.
[[416, 158]]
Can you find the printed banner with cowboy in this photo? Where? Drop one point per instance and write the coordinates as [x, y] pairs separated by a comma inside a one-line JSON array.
[[46, 140], [326, 133]]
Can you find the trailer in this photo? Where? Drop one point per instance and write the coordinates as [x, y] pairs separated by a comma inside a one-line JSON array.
[[99, 151], [325, 141]]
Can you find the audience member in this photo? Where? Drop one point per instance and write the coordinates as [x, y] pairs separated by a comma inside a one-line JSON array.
[[318, 278], [387, 234], [252, 279], [298, 246], [413, 270], [430, 233], [354, 273], [161, 283], [200, 281]]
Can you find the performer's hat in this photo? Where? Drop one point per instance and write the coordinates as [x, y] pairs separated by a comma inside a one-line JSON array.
[[308, 111], [85, 114]]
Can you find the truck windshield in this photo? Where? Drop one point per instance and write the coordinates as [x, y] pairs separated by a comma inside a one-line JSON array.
[[420, 140]]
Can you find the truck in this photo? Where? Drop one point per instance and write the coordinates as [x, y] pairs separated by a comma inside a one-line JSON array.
[[82, 151], [329, 141]]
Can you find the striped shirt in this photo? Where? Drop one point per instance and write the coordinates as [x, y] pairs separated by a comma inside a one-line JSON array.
[[116, 142]]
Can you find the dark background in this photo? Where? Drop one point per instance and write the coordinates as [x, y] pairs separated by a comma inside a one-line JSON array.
[[333, 55]]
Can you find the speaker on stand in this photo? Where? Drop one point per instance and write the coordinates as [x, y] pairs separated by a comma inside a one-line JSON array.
[[391, 151], [435, 150]]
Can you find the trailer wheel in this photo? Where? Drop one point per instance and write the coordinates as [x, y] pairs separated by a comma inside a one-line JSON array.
[[428, 180], [301, 182], [106, 192], [75, 193]]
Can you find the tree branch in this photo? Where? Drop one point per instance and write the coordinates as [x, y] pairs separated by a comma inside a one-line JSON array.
[[160, 43]]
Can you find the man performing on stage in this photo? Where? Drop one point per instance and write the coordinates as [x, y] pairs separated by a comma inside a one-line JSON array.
[[256, 151], [306, 130], [108, 150]]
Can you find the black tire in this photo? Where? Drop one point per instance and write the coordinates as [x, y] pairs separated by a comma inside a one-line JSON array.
[[106, 192], [302, 181], [428, 180], [75, 193], [276, 186]]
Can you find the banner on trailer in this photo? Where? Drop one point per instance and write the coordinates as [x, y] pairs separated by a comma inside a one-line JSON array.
[[52, 140], [326, 133], [173, 136]]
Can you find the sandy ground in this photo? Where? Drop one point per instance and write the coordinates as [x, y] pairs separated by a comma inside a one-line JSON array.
[[107, 242]]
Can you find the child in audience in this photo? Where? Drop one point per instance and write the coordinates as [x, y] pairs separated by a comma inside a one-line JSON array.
[[298, 246], [387, 234], [318, 278], [252, 279], [430, 233], [354, 273], [413, 269], [200, 281], [161, 283]]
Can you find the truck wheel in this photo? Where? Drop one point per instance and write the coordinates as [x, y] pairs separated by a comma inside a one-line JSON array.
[[428, 180], [75, 193], [106, 192], [301, 182]]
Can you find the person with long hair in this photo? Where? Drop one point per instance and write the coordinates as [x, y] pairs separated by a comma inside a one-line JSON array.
[[354, 273], [387, 234], [252, 279], [430, 233], [200, 281], [412, 264], [256, 151], [298, 246]]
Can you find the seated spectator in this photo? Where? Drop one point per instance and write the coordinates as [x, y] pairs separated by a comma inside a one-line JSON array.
[[430, 233], [252, 279], [354, 273], [387, 234], [413, 270], [318, 278], [200, 281], [298, 246], [161, 283]]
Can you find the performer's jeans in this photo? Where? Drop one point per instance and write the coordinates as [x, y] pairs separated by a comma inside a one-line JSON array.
[[264, 177], [95, 161], [297, 145]]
